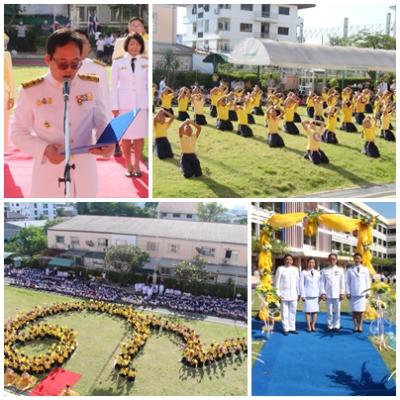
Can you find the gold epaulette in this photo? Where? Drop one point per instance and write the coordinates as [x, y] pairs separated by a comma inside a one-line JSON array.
[[31, 83], [99, 62], [89, 77], [118, 58]]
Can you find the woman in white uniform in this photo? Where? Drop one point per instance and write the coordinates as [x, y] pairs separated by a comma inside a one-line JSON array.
[[129, 81], [309, 291], [357, 283]]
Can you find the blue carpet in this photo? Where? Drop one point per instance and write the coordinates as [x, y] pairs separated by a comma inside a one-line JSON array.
[[320, 363]]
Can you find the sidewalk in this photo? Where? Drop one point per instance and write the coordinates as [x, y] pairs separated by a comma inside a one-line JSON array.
[[387, 190]]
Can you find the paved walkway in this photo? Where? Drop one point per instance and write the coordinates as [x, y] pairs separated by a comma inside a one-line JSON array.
[[320, 363], [387, 190]]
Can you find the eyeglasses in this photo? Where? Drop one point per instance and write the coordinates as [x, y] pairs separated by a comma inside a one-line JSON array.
[[63, 65]]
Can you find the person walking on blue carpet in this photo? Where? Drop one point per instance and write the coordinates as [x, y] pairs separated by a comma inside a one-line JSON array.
[[332, 291], [309, 292], [287, 282], [357, 283]]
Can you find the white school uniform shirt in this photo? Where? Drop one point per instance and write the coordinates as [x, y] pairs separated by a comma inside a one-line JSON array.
[[287, 282], [309, 283], [332, 282], [98, 68], [38, 122], [128, 89], [357, 280]]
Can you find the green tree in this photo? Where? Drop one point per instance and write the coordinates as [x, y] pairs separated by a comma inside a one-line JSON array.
[[169, 65], [125, 258], [192, 273], [51, 222], [29, 241], [211, 212], [365, 39]]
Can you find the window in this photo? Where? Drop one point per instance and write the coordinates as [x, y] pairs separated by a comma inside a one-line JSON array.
[[45, 205], [384, 243], [336, 207], [283, 31], [121, 242], [74, 241], [189, 216], [176, 215], [246, 27], [151, 246], [173, 248], [102, 242], [200, 35], [165, 271], [384, 230], [346, 248], [208, 251], [226, 6], [206, 8], [246, 7], [206, 25], [379, 241], [59, 239], [194, 10], [200, 15], [232, 255], [163, 215], [194, 29], [284, 10], [223, 25], [336, 246]]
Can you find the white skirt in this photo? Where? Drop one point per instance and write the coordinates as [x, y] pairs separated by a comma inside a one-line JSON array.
[[139, 127], [358, 303], [311, 305]]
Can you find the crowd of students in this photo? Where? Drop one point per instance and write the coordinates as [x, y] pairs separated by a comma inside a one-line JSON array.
[[24, 328], [143, 295], [359, 110]]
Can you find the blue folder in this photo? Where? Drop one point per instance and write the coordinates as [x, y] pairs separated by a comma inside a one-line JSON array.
[[112, 134]]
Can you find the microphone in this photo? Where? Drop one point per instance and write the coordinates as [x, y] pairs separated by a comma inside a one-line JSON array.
[[66, 88]]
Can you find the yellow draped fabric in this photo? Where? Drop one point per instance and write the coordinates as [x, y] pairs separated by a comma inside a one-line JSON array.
[[311, 226], [265, 257], [364, 244], [285, 220], [339, 223]]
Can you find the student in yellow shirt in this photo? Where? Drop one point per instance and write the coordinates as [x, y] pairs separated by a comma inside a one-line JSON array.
[[288, 115], [161, 123], [313, 130], [274, 115], [369, 134], [167, 95], [360, 103], [243, 127], [188, 135], [257, 93], [198, 100], [386, 133], [310, 104], [325, 95], [318, 108], [347, 123], [223, 106], [183, 103], [329, 135], [215, 94]]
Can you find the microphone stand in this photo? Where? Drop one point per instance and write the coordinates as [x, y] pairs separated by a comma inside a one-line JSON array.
[[68, 166]]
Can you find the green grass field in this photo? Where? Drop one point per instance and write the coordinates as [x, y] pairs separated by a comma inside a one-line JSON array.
[[234, 166], [159, 370]]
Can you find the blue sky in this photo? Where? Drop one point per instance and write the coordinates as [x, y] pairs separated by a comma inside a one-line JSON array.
[[387, 209]]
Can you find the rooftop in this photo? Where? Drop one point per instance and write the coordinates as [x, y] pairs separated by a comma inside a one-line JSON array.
[[164, 228], [185, 208]]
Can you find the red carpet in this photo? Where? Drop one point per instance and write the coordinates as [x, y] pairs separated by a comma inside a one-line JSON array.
[[55, 382], [112, 183]]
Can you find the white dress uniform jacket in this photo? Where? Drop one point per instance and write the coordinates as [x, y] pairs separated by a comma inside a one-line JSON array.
[[98, 68], [287, 282], [332, 282], [309, 283], [129, 90], [357, 280], [38, 122]]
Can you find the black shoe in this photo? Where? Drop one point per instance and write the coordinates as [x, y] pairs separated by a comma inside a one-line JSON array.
[[286, 333], [294, 332], [336, 329]]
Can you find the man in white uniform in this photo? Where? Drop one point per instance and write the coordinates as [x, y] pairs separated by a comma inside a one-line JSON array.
[[38, 128], [287, 285], [94, 67], [357, 285], [332, 291]]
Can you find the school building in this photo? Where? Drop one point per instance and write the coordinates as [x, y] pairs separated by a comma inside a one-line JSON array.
[[85, 239]]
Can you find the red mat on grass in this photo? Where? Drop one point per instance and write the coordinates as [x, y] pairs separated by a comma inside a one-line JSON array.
[[112, 181], [55, 382]]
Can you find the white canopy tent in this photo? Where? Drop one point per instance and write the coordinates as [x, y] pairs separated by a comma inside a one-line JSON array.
[[295, 55]]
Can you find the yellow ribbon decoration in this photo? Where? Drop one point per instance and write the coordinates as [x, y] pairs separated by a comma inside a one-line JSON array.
[[364, 244], [339, 223], [285, 220], [265, 256]]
